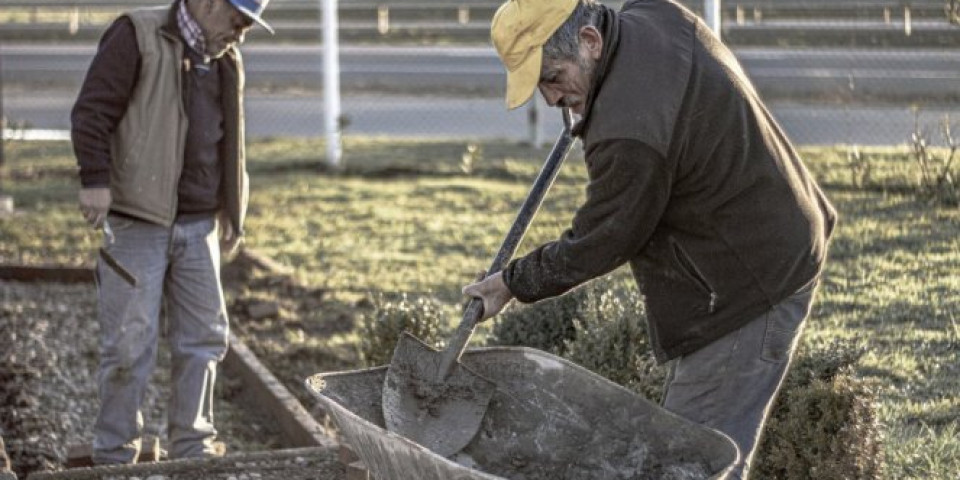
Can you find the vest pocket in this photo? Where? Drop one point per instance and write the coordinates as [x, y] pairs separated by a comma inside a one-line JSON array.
[[132, 150]]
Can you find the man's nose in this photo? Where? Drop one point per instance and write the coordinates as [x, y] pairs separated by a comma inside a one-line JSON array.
[[551, 95]]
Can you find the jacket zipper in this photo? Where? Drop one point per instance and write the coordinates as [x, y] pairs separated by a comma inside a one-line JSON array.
[[694, 273]]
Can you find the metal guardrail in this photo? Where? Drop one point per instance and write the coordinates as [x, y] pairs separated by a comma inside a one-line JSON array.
[[886, 23], [756, 9]]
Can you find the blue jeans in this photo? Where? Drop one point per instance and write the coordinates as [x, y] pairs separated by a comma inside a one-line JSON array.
[[178, 267], [730, 384]]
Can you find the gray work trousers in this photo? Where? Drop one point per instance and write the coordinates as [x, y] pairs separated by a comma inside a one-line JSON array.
[[730, 384], [179, 266]]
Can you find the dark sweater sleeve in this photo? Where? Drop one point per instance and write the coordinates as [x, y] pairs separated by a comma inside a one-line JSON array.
[[103, 100], [627, 194]]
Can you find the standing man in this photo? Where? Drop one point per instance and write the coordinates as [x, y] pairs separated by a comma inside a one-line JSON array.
[[159, 137], [691, 182]]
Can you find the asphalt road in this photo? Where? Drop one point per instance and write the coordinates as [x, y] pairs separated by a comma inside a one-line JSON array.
[[777, 73], [820, 96]]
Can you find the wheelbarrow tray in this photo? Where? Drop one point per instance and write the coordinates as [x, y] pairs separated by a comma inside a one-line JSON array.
[[549, 419]]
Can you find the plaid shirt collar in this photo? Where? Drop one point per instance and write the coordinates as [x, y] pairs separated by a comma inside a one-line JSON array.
[[191, 32]]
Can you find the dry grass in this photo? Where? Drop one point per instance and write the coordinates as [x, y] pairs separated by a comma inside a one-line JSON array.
[[405, 218]]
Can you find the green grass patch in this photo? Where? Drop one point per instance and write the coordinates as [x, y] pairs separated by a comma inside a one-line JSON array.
[[405, 217], [46, 16]]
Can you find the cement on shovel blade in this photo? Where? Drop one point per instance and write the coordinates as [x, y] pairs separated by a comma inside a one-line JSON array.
[[428, 395], [442, 413]]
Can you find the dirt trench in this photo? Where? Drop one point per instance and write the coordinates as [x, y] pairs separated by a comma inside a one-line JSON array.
[[49, 336]]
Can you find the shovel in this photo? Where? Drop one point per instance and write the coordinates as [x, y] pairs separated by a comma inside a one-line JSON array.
[[428, 395]]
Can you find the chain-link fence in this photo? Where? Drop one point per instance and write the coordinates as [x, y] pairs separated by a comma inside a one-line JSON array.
[[832, 72]]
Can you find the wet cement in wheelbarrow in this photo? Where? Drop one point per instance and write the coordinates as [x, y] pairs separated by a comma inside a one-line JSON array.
[[614, 455], [618, 449], [520, 468], [549, 419]]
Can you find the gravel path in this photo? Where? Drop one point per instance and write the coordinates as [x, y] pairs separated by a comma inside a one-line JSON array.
[[49, 354], [292, 464], [48, 397]]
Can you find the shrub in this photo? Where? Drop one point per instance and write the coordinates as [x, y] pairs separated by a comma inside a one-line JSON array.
[[612, 340], [546, 325], [380, 330], [823, 424], [471, 157], [952, 10], [600, 326], [860, 167], [937, 175]]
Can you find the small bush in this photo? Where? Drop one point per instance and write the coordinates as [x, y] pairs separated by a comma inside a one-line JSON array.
[[937, 178], [612, 341], [380, 330], [471, 157], [860, 167], [546, 325], [600, 326], [952, 10], [823, 424]]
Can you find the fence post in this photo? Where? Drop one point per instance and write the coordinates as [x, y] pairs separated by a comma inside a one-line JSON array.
[[533, 122], [3, 126], [383, 19], [331, 84], [711, 13], [73, 25], [6, 201], [907, 21]]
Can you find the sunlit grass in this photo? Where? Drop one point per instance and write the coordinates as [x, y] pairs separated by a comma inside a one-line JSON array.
[[404, 217], [40, 15]]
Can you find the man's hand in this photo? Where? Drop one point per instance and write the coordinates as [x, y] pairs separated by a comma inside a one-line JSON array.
[[494, 293], [229, 240], [94, 204]]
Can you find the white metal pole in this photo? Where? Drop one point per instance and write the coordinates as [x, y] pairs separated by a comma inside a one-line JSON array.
[[331, 84], [533, 122], [711, 14]]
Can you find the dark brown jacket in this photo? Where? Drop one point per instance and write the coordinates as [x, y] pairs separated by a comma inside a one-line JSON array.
[[691, 181]]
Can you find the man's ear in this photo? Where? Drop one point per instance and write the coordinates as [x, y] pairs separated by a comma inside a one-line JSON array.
[[592, 41]]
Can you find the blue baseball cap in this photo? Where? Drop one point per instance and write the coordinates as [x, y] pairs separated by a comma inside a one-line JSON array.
[[253, 9]]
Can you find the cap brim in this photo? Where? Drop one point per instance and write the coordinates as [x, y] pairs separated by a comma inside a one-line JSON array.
[[522, 81], [254, 17]]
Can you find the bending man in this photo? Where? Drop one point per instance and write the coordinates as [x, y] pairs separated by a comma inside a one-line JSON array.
[[691, 182]]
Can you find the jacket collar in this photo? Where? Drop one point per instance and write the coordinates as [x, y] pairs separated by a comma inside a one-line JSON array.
[[171, 27], [172, 30]]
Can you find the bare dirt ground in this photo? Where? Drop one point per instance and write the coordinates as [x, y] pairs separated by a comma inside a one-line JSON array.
[[48, 340]]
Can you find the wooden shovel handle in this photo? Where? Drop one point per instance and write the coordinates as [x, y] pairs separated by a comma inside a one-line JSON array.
[[474, 310]]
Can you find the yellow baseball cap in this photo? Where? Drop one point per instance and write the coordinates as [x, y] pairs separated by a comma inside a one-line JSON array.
[[518, 31]]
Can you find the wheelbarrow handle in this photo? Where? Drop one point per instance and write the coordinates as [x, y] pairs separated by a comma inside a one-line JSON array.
[[473, 312]]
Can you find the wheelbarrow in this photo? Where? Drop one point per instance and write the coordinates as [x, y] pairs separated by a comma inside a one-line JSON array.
[[548, 419]]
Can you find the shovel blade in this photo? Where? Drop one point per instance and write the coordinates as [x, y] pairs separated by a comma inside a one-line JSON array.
[[440, 413]]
